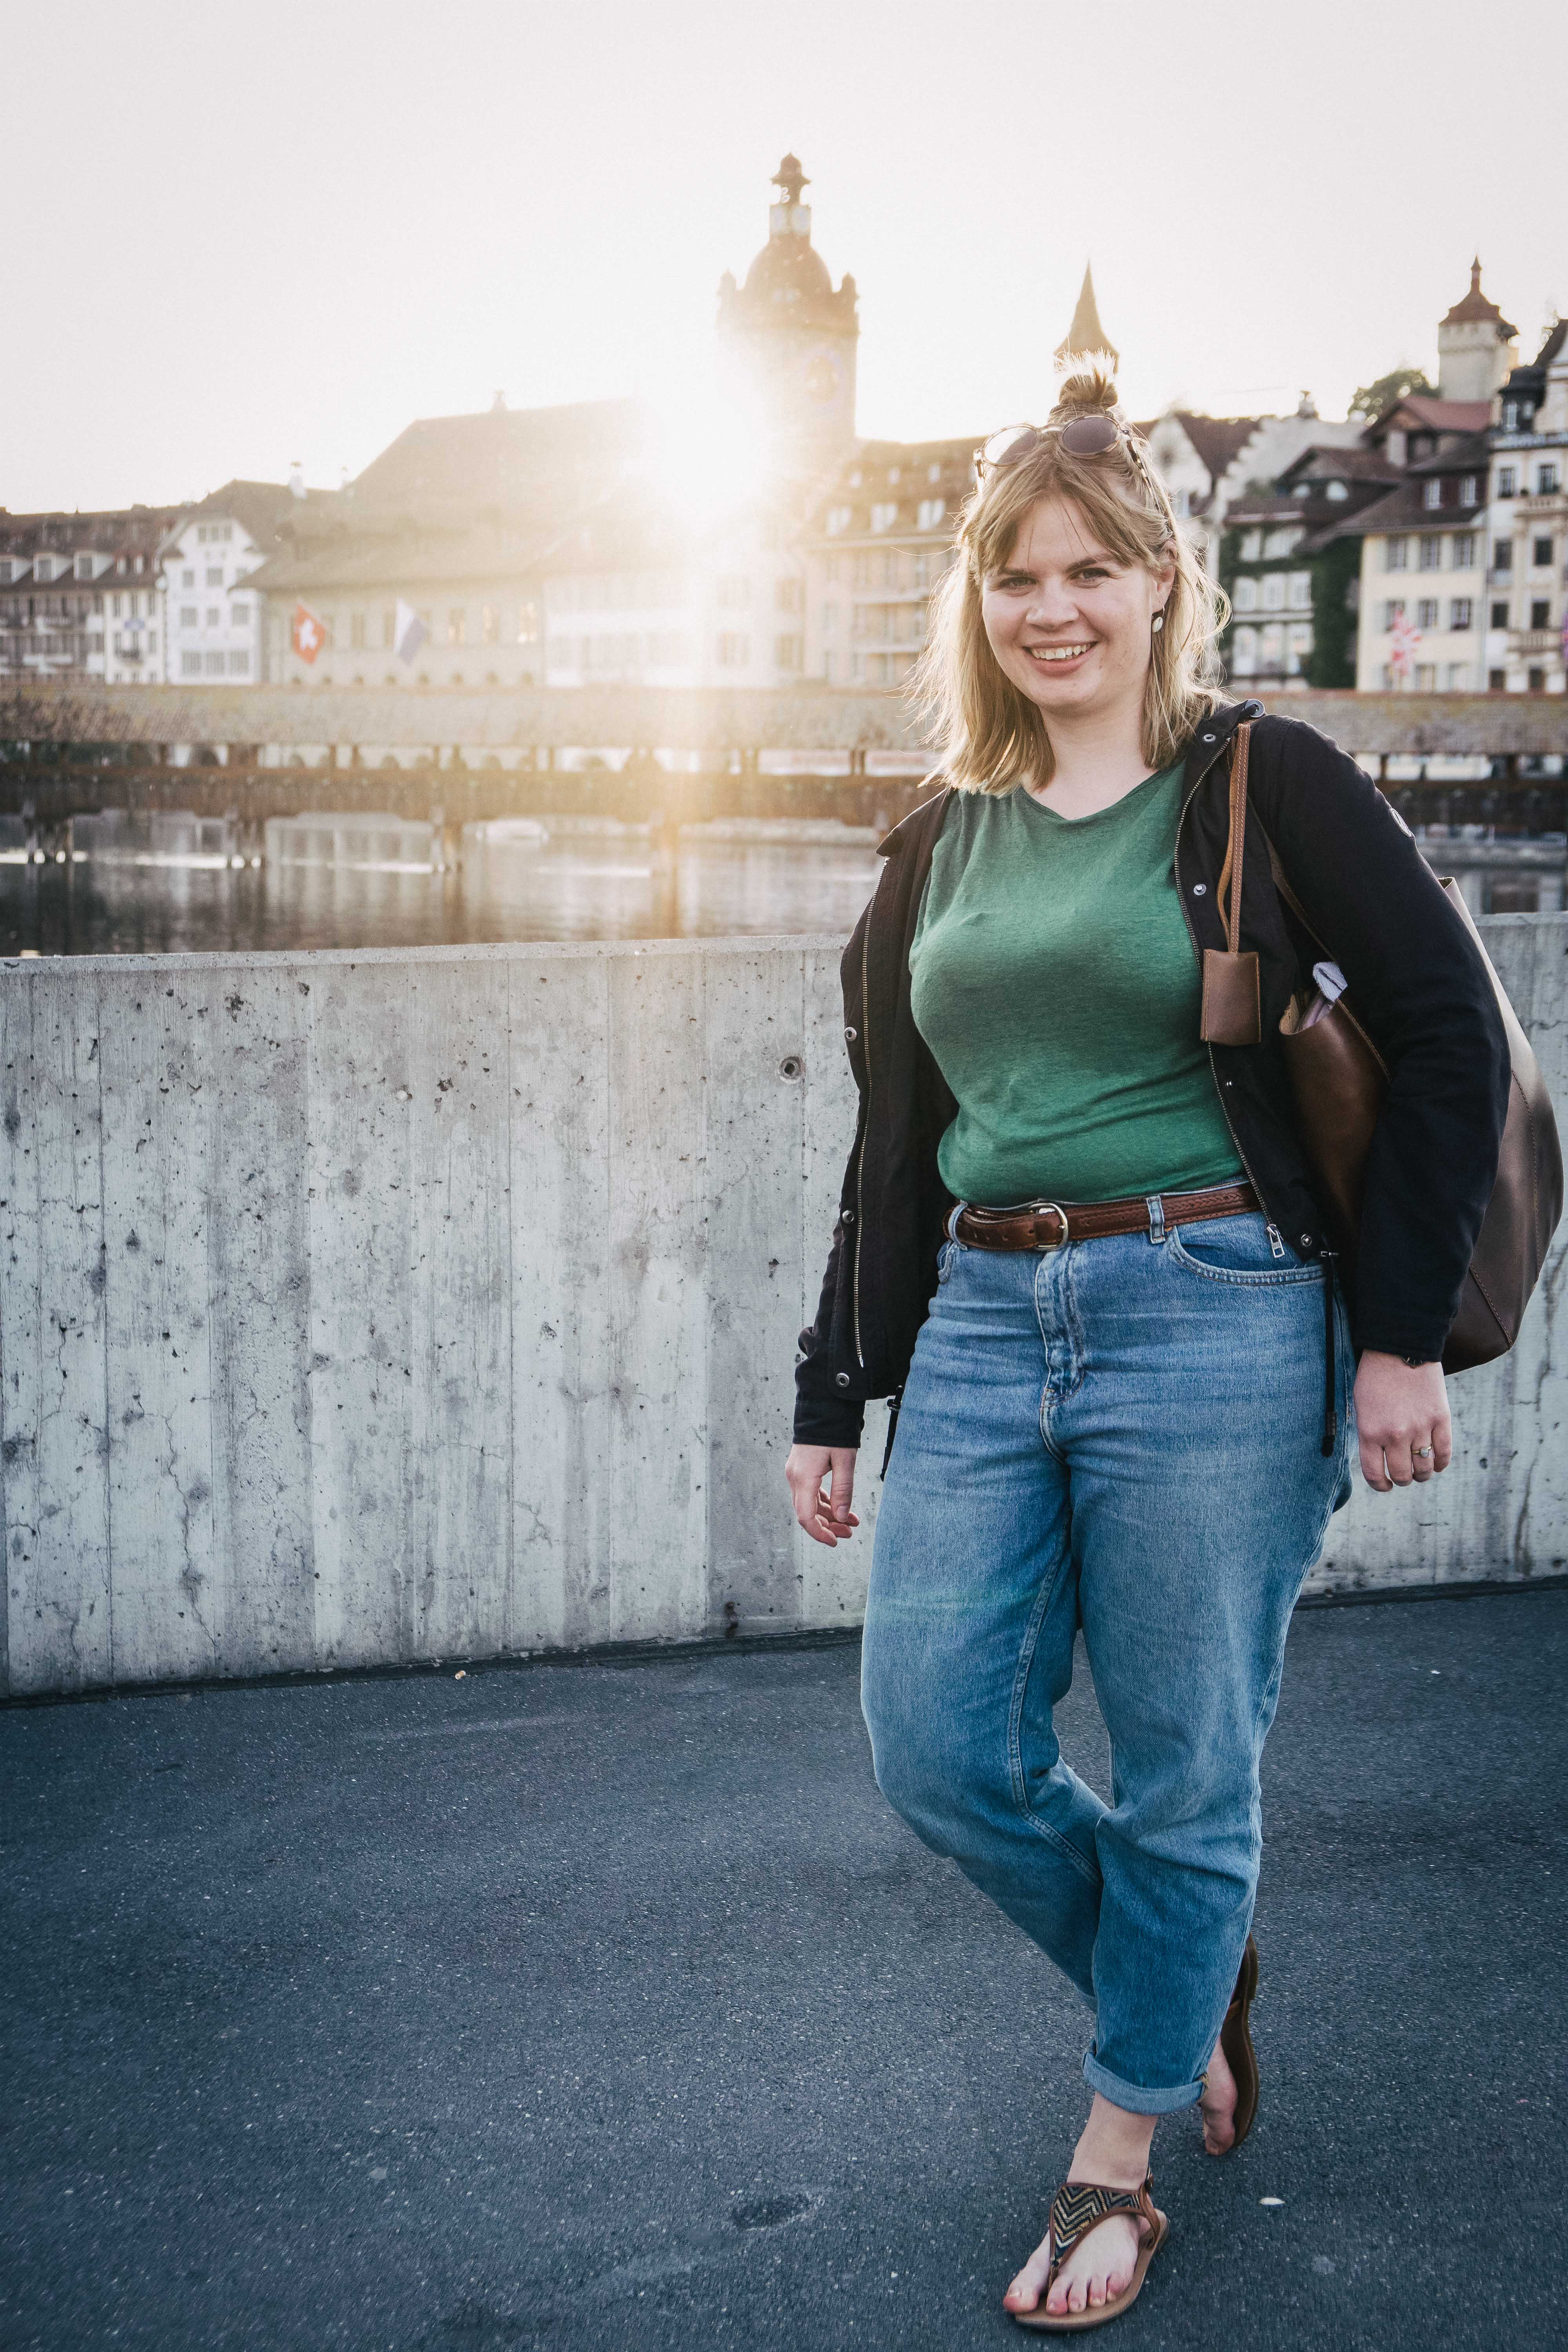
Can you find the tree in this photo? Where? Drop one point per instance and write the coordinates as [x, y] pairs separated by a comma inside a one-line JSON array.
[[1374, 398]]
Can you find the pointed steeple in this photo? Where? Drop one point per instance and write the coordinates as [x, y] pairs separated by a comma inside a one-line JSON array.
[[1087, 339]]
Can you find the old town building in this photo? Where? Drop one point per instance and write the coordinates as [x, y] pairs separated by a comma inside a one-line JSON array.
[[211, 621], [80, 595], [1527, 611]]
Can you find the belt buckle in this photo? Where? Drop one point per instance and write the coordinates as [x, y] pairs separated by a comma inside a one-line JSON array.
[[1049, 1249]]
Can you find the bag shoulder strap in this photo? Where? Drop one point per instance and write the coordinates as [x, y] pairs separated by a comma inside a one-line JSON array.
[[1235, 848]]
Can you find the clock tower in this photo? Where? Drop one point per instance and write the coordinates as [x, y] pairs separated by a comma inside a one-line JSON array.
[[789, 337]]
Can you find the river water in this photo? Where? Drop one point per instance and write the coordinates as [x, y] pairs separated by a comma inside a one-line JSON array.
[[621, 889]]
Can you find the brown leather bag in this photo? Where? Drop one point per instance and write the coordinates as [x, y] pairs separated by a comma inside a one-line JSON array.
[[1339, 1081]]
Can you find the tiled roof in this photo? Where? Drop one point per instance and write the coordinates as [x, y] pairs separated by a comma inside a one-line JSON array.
[[261, 509], [1218, 440], [1439, 416], [1475, 310], [500, 458], [1402, 510], [1331, 464]]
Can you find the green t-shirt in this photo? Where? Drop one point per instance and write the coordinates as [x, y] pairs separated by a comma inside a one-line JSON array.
[[1055, 981]]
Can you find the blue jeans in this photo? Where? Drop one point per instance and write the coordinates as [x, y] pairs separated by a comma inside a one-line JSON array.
[[1124, 1436]]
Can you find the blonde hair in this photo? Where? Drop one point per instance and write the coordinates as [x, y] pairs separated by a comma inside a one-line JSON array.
[[987, 734]]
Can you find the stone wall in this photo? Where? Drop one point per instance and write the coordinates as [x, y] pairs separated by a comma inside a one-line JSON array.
[[390, 1306]]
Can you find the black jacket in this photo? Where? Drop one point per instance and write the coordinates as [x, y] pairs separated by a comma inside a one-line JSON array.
[[1418, 985]]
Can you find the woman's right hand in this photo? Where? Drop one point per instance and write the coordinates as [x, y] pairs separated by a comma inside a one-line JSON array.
[[826, 1517]]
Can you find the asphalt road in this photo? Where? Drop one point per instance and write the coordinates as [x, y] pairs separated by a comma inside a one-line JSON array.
[[607, 2006]]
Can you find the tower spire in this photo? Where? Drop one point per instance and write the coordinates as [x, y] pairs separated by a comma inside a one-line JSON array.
[[1086, 339]]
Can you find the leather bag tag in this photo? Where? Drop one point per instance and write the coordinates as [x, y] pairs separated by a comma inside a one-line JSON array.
[[1232, 1010]]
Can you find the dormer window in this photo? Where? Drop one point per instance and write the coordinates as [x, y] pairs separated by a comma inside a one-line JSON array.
[[1510, 416], [1469, 490], [933, 473], [1431, 494], [1336, 491], [45, 569], [84, 567]]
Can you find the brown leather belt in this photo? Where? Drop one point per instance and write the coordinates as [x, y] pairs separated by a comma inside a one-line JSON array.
[[1047, 1224]]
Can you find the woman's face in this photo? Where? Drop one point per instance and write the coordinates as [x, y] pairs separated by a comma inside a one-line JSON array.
[[1069, 623]]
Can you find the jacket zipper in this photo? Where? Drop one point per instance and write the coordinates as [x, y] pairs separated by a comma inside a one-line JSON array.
[[1276, 1241], [864, 1132]]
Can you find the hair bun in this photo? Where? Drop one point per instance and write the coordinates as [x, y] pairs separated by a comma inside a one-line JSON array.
[[1090, 394]]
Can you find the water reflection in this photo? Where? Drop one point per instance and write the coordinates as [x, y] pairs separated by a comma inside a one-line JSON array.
[[631, 885]]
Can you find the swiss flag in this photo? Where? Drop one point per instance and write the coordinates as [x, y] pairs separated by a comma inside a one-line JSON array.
[[310, 634]]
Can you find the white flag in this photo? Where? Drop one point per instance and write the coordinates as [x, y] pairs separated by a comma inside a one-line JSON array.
[[409, 631]]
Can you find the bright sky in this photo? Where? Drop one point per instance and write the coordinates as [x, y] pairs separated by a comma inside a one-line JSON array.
[[239, 237]]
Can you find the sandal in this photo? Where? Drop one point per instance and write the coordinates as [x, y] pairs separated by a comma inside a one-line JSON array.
[[1079, 2207], [1235, 2041]]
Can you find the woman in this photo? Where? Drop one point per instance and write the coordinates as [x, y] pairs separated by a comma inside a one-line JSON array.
[[1123, 1404]]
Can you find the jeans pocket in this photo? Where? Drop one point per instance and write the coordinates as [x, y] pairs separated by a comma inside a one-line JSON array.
[[1237, 1250]]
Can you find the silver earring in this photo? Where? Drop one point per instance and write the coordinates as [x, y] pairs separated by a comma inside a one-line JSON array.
[[1158, 622]]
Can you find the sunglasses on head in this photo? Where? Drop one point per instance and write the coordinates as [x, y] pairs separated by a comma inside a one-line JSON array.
[[1081, 437]]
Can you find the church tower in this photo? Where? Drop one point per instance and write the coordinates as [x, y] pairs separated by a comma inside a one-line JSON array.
[[1476, 345], [789, 337]]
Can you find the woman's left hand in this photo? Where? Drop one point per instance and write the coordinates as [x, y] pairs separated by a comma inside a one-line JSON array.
[[1400, 1408]]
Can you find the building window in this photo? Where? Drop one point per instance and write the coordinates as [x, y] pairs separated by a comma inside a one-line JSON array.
[[1541, 614], [1396, 554], [187, 579], [1469, 490], [1427, 613], [1458, 680], [1432, 493], [1300, 596], [1499, 616], [1274, 591], [456, 625], [187, 616], [932, 512], [528, 625], [1461, 612], [215, 575], [214, 665], [789, 594], [1393, 611], [830, 620], [239, 617], [1243, 654], [214, 616], [44, 567], [1507, 475], [1431, 555], [1535, 679], [733, 589], [1246, 593], [356, 631], [1510, 418], [389, 624], [1545, 480], [190, 665], [788, 653], [838, 521], [1425, 678], [1502, 555], [84, 567], [1337, 491], [1299, 647], [1271, 646], [1465, 552], [1282, 542], [1497, 680], [1252, 546], [883, 518], [239, 661], [734, 650], [1541, 554]]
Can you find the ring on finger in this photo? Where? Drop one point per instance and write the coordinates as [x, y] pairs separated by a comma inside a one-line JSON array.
[[1423, 1453]]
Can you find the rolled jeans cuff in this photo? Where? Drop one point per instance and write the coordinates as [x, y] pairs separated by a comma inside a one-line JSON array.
[[1133, 2096]]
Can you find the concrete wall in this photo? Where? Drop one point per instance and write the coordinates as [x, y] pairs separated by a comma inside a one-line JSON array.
[[359, 1308]]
